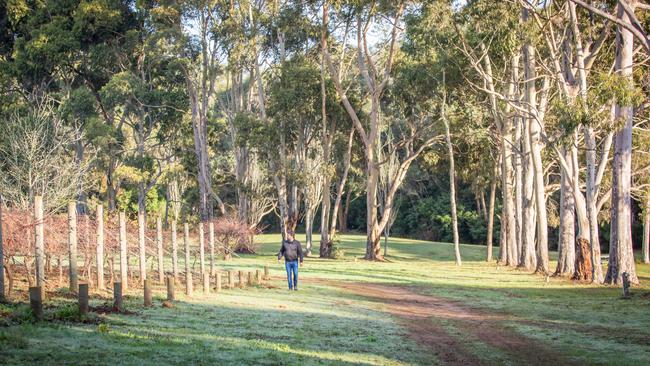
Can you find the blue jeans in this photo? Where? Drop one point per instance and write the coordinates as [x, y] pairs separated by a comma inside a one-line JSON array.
[[292, 273]]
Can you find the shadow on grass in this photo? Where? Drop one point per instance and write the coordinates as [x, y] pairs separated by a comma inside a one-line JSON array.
[[265, 333]]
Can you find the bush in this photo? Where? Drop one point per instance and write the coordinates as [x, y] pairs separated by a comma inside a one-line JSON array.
[[234, 236], [337, 252]]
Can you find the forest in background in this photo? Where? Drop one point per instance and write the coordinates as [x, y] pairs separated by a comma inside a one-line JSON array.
[[518, 123]]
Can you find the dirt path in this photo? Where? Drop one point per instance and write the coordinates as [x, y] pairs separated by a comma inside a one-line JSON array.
[[418, 314]]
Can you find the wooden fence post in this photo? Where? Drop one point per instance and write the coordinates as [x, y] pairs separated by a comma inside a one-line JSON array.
[[40, 242], [117, 297], [241, 279], [218, 287], [626, 285], [213, 267], [147, 294], [72, 246], [124, 276], [100, 247], [201, 248], [170, 288], [250, 279], [2, 266], [142, 246], [175, 251], [83, 298], [206, 283], [36, 302], [231, 280], [266, 272], [258, 277], [161, 257], [188, 270]]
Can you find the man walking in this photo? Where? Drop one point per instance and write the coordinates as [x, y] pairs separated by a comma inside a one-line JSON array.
[[291, 251]]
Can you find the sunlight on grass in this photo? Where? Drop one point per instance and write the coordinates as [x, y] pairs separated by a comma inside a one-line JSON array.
[[322, 324]]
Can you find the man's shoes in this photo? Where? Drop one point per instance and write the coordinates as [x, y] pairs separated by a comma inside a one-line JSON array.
[[295, 289]]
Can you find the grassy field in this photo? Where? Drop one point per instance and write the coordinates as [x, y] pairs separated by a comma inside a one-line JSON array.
[[327, 323]]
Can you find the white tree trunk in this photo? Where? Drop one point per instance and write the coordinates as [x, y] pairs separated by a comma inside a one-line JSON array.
[[490, 228], [530, 75], [142, 246], [528, 259], [159, 245], [201, 249], [566, 245], [452, 191], [646, 231], [621, 256], [175, 251], [124, 265], [72, 247], [100, 247]]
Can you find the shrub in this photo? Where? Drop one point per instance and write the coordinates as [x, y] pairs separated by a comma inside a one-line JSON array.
[[234, 236]]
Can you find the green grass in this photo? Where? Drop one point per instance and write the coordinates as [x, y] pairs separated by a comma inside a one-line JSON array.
[[322, 324]]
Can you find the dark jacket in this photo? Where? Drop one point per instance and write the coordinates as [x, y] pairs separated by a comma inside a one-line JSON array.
[[291, 250]]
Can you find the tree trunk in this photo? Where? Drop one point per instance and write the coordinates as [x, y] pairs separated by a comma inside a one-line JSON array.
[[188, 269], [201, 249], [309, 228], [530, 75], [490, 228], [566, 245], [175, 251], [213, 266], [2, 258], [159, 245], [528, 259], [40, 241], [509, 237], [100, 247], [621, 256], [141, 242], [340, 186], [518, 157], [343, 221], [72, 247], [124, 278], [646, 231], [452, 189]]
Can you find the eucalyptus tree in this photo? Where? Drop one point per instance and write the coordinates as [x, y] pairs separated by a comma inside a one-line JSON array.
[[85, 44], [415, 138], [294, 125], [628, 28], [335, 146], [201, 52]]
